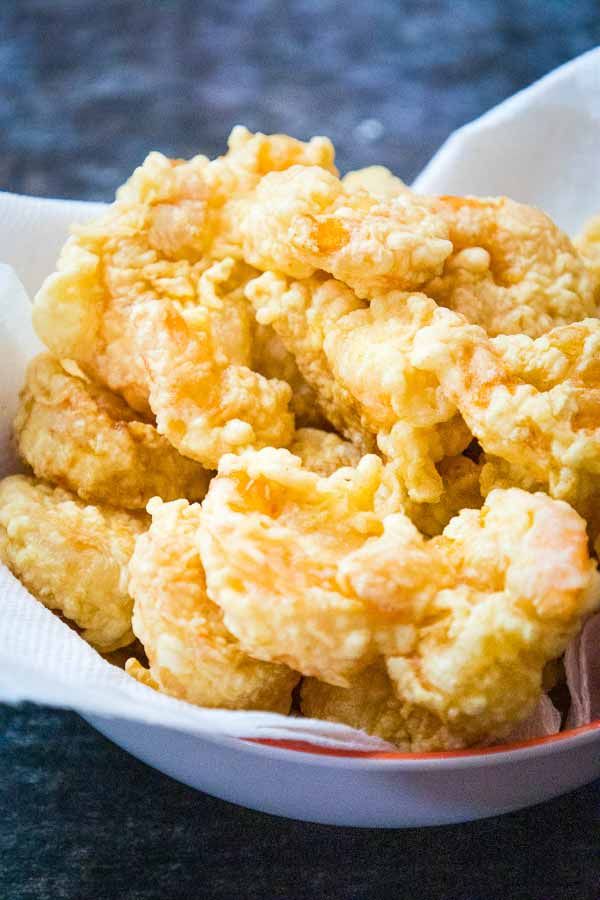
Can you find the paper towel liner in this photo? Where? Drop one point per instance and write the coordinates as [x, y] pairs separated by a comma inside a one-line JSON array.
[[539, 147]]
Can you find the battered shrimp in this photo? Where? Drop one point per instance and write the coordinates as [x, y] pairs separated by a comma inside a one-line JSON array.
[[204, 405], [86, 439], [72, 557], [154, 244], [368, 351], [211, 342], [192, 656], [370, 704], [535, 404], [323, 451], [512, 269], [357, 357], [301, 313], [465, 621], [290, 528], [304, 219], [520, 582]]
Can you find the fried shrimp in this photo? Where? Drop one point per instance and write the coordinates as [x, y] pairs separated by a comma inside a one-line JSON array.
[[519, 583], [371, 704], [302, 313], [357, 358], [303, 220], [72, 557], [535, 404], [401, 395], [323, 451], [211, 323], [191, 654], [321, 582], [87, 440], [290, 527], [368, 351], [204, 405], [155, 244], [512, 269]]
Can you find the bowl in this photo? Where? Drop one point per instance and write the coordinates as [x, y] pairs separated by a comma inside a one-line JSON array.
[[366, 789]]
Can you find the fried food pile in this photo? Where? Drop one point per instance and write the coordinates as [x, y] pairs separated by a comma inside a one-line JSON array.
[[319, 444]]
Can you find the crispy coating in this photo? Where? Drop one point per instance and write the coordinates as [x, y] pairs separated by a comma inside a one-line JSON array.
[[357, 357], [71, 556], [86, 439], [368, 351], [136, 670], [271, 359], [371, 704], [535, 404], [376, 180], [191, 654], [519, 583], [460, 477], [204, 405], [461, 490], [155, 244], [257, 301], [512, 269], [302, 313], [583, 493], [303, 219], [290, 527], [206, 333], [588, 245], [321, 582], [323, 451]]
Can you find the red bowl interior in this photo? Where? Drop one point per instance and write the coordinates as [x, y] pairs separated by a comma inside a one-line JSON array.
[[307, 747]]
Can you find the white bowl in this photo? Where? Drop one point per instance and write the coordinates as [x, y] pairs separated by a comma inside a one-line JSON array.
[[375, 790]]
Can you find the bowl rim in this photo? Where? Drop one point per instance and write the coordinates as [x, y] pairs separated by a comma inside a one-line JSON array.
[[318, 754]]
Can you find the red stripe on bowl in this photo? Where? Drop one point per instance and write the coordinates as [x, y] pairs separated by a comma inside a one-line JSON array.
[[307, 747]]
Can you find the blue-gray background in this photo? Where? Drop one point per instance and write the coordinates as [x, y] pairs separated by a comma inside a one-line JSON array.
[[86, 89]]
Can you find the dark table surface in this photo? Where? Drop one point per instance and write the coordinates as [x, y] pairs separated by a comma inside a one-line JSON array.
[[86, 89]]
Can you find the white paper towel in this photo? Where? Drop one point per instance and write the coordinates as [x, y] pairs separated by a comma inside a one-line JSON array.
[[540, 147]]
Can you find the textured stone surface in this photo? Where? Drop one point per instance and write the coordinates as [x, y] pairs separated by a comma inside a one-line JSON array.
[[86, 89], [81, 820]]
